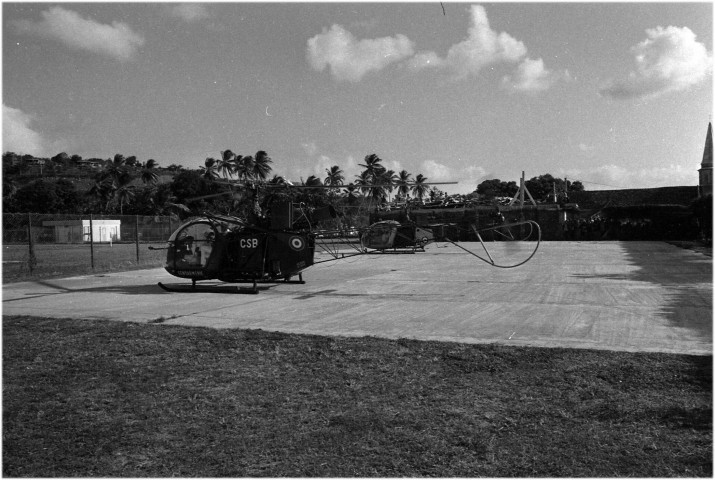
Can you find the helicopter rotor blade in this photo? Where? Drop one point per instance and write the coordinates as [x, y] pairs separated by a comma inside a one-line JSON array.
[[287, 186], [213, 195], [203, 197]]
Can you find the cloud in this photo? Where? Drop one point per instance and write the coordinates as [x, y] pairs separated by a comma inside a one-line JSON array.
[[467, 177], [532, 77], [350, 59], [473, 175], [190, 12], [436, 172], [116, 40], [17, 134], [317, 162], [669, 60], [426, 60], [482, 47], [321, 164]]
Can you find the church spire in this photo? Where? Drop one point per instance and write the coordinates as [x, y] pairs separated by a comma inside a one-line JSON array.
[[708, 153], [705, 185]]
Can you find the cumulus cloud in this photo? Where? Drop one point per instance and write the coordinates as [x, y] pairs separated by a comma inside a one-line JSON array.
[[321, 163], [190, 12], [318, 161], [117, 40], [18, 135], [532, 77], [669, 60], [474, 175], [436, 172], [350, 59], [425, 60], [482, 47], [468, 177]]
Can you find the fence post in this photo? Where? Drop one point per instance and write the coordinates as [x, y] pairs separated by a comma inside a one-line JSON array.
[[32, 260], [91, 241], [136, 234]]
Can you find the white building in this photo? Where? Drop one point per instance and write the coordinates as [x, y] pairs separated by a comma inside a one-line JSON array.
[[78, 231]]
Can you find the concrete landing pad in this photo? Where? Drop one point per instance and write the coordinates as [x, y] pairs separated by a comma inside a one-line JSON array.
[[631, 296]]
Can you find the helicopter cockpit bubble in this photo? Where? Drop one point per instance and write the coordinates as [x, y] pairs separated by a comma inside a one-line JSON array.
[[190, 247]]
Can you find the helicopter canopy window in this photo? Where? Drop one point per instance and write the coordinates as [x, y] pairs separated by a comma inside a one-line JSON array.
[[193, 245]]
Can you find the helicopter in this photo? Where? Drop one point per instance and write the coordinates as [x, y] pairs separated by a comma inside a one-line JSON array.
[[403, 237], [280, 245], [228, 249]]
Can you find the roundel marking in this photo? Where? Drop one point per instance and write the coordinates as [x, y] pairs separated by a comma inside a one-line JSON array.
[[296, 243]]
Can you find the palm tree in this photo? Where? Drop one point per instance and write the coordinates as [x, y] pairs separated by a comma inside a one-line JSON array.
[[373, 166], [334, 179], [351, 197], [387, 180], [210, 169], [261, 165], [114, 168], [103, 189], [237, 166], [9, 189], [313, 181], [277, 180], [225, 165], [363, 181], [420, 187], [335, 176], [115, 175], [119, 159], [243, 166], [148, 173], [125, 194], [403, 188]]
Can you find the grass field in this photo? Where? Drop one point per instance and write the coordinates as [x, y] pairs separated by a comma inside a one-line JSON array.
[[67, 259], [108, 399]]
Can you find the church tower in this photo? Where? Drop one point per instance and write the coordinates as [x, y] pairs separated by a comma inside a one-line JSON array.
[[705, 187]]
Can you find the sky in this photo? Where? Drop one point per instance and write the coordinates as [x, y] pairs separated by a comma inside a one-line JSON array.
[[616, 95]]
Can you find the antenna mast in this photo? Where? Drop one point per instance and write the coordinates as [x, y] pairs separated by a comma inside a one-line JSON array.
[[520, 193]]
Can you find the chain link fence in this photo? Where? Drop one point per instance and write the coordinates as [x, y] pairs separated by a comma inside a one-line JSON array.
[[41, 245]]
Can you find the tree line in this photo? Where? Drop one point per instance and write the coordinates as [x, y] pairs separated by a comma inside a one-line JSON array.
[[542, 188], [125, 185]]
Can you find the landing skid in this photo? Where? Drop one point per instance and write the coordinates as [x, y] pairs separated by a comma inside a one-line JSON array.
[[398, 250], [194, 288], [208, 289]]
